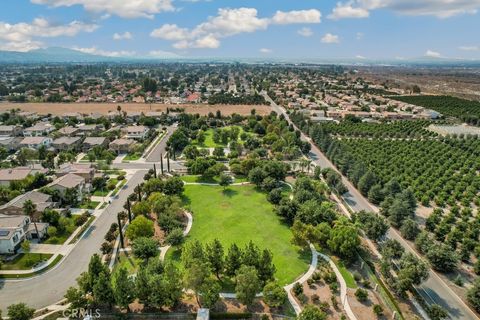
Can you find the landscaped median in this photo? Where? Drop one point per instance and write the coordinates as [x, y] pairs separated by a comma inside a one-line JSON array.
[[16, 274]]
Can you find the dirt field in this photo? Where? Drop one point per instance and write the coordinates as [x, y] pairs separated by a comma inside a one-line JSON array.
[[104, 108]]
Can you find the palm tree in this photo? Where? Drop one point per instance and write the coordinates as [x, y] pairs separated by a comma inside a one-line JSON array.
[[29, 208]]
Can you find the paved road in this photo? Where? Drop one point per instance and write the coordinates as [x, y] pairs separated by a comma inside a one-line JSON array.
[[51, 286], [154, 156], [434, 290]]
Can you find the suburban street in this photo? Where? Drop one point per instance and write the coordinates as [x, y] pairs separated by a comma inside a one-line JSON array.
[[50, 287], [433, 290], [154, 155]]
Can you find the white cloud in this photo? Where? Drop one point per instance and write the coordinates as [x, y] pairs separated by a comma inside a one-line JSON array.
[[22, 36], [100, 52], [432, 54], [162, 54], [297, 16], [360, 57], [305, 32], [438, 8], [170, 32], [330, 38], [122, 36], [265, 50], [209, 41], [121, 8], [342, 11], [469, 48], [227, 23]]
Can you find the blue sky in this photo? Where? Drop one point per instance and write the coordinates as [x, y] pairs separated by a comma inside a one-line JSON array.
[[372, 29]]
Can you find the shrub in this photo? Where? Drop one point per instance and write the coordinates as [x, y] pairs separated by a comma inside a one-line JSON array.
[[175, 237], [357, 276], [361, 294], [378, 310], [297, 289], [315, 298]]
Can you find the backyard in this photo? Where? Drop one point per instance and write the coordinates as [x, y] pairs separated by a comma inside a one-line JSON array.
[[240, 214]]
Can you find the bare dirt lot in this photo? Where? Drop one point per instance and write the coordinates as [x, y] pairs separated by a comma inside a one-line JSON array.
[[104, 108]]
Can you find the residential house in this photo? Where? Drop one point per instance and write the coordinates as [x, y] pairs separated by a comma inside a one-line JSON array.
[[122, 145], [67, 143], [70, 181], [90, 142], [35, 142], [16, 174], [28, 115], [10, 131], [84, 170], [68, 131], [39, 129], [89, 129], [41, 201], [72, 115], [13, 231], [135, 132], [10, 143]]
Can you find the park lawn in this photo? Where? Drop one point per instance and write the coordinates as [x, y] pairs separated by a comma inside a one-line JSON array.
[[209, 143], [128, 261], [347, 276], [25, 261], [199, 179], [241, 214]]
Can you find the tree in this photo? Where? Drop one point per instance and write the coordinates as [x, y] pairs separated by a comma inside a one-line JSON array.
[[214, 253], [398, 212], [473, 295], [442, 257], [225, 180], [233, 260], [344, 239], [102, 289], [375, 194], [175, 237], [76, 298], [375, 226], [140, 227], [274, 295], [141, 208], [412, 271], [173, 186], [123, 288], [195, 276], [366, 182], [266, 269], [409, 229], [145, 248], [29, 209], [436, 312], [210, 292], [311, 312], [20, 311], [142, 285], [248, 284]]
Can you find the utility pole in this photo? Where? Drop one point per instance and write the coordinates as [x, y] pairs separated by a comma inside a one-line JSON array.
[[155, 171], [120, 230], [129, 209], [161, 163], [168, 161]]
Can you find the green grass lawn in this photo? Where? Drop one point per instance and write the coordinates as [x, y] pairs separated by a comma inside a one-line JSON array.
[[61, 237], [90, 205], [347, 276], [132, 156], [25, 261], [198, 179], [129, 262], [239, 215]]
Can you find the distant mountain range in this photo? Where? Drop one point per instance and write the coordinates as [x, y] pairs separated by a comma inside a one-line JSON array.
[[65, 55]]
